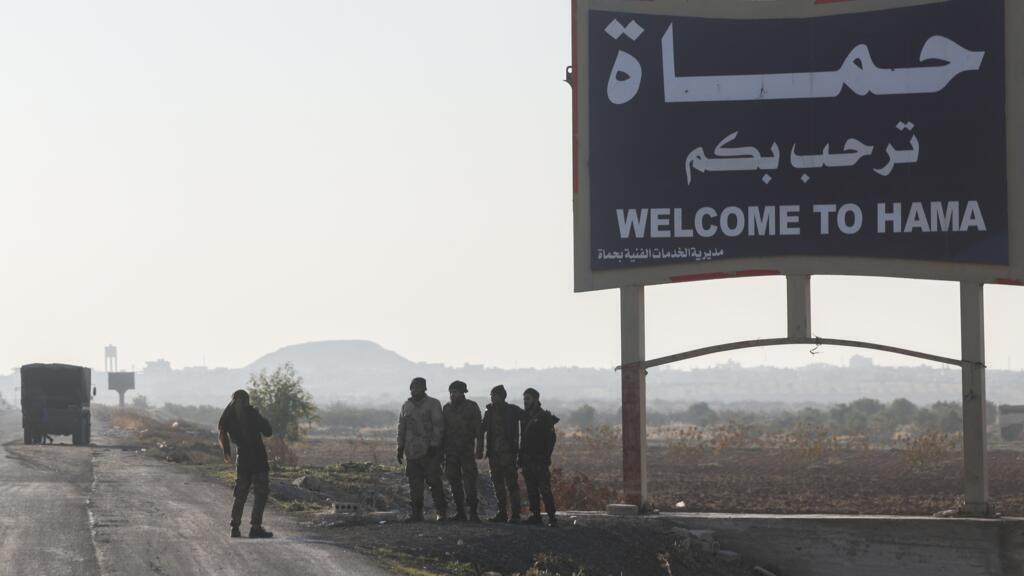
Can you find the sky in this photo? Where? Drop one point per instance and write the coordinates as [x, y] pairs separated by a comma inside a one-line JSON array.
[[207, 182]]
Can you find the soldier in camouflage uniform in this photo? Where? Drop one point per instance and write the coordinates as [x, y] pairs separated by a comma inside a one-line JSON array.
[[420, 434], [501, 428], [535, 448], [461, 431]]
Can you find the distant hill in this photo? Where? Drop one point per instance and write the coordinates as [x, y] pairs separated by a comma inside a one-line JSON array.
[[363, 372], [332, 357]]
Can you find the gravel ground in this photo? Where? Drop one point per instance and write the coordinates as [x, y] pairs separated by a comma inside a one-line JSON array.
[[598, 545]]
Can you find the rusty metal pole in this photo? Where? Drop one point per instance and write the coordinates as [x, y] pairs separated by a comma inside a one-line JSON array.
[[634, 398]]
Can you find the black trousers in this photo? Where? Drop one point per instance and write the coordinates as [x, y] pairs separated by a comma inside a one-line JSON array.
[[537, 475], [259, 482], [506, 483]]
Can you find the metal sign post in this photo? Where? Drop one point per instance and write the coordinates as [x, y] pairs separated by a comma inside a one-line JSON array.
[[634, 397], [972, 346], [798, 306]]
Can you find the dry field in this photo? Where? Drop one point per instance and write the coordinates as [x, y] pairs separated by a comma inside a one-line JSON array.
[[716, 469], [727, 470]]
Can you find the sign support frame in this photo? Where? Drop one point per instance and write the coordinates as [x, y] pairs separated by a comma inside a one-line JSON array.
[[798, 311]]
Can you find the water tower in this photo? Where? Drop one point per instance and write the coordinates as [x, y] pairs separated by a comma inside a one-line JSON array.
[[118, 381]]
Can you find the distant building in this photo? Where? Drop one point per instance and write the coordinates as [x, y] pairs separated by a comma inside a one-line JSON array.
[[1011, 422], [861, 362], [159, 366]]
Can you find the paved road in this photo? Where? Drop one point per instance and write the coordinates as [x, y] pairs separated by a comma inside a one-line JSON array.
[[102, 510]]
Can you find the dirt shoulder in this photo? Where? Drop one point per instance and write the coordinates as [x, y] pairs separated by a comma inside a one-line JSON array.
[[587, 544], [360, 506]]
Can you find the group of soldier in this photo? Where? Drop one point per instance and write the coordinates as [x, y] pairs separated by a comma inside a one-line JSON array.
[[456, 436], [429, 437]]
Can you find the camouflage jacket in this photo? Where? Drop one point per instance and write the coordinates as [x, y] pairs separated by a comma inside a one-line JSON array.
[[420, 426], [461, 427], [507, 417]]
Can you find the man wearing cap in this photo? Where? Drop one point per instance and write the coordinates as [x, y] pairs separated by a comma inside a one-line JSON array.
[[461, 430], [501, 428], [420, 434], [535, 448]]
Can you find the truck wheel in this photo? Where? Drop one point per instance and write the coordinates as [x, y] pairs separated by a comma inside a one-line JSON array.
[[28, 436]]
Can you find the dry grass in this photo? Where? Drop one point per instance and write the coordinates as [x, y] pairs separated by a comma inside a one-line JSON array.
[[927, 450], [577, 491]]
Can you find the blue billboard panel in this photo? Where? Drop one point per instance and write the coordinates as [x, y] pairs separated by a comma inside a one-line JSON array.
[[876, 134]]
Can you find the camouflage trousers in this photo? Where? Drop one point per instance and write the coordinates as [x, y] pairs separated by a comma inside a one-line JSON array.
[[537, 474], [259, 482], [461, 471], [428, 470], [506, 483]]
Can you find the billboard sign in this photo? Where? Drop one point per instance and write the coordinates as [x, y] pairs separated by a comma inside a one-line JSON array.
[[728, 137], [121, 381]]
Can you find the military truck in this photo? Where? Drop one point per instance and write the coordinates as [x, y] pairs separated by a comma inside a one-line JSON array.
[[55, 401]]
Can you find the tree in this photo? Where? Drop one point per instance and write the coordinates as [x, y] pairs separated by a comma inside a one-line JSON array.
[[947, 417], [701, 414], [140, 402], [584, 417], [951, 422], [811, 417], [902, 411], [839, 418], [283, 401], [925, 420], [867, 406]]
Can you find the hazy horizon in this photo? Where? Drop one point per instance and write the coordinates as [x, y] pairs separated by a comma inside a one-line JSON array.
[[362, 373], [720, 360], [207, 183]]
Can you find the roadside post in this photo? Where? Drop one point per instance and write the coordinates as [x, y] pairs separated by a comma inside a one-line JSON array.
[[972, 343], [634, 397]]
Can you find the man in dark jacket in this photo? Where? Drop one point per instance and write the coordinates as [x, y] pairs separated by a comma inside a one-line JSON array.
[[461, 430], [243, 426], [535, 448], [501, 428]]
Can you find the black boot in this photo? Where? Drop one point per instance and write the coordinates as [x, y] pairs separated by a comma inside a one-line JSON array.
[[416, 516], [235, 532], [549, 506], [534, 500], [259, 532], [460, 509], [552, 521], [515, 508], [501, 516]]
